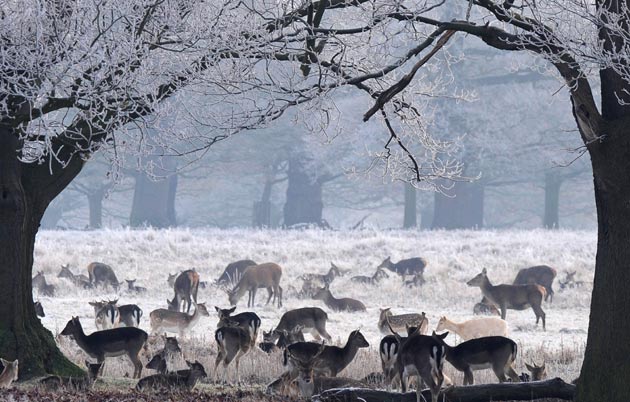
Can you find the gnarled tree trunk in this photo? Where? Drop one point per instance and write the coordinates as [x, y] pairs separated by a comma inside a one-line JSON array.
[[304, 196]]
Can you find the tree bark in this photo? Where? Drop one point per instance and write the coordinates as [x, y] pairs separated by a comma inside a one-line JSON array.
[[461, 207], [410, 219], [25, 192], [304, 196], [154, 202], [553, 181]]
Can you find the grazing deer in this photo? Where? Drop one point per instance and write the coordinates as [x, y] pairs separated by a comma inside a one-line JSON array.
[[477, 328], [542, 275], [56, 383], [343, 304], [538, 373], [175, 321], [185, 286], [248, 321], [387, 321], [9, 374], [43, 287], [78, 280], [39, 309], [183, 379], [106, 314], [233, 272], [322, 280], [160, 360], [109, 343], [379, 275], [310, 319], [495, 352], [410, 266], [102, 274], [130, 315], [232, 344], [484, 307], [133, 288], [265, 275], [515, 297]]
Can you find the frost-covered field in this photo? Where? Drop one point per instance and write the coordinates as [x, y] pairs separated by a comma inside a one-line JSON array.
[[453, 258]]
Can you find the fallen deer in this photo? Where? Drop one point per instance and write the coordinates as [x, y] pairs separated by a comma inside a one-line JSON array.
[[401, 322], [537, 373], [477, 328], [102, 274], [343, 304], [485, 307], [43, 287], [542, 275], [183, 379], [233, 272], [185, 287], [249, 321], [56, 383], [515, 297], [265, 275], [9, 373], [379, 275], [175, 321], [78, 280], [322, 280], [109, 343], [133, 288], [495, 352], [410, 266], [310, 319]]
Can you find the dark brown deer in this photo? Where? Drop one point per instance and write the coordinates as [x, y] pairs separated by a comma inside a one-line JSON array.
[[515, 297], [542, 275], [185, 287], [310, 319], [130, 315], [182, 380], [248, 320], [343, 304], [485, 307], [265, 275], [410, 266], [233, 272], [102, 275]]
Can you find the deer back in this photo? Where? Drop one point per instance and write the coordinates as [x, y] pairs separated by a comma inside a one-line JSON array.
[[541, 274], [130, 315], [233, 272], [307, 317], [102, 274]]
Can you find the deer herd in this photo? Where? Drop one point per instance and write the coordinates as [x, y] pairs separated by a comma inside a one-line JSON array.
[[310, 367]]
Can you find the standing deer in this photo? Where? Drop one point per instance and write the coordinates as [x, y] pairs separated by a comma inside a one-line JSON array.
[[265, 275], [175, 321], [233, 272], [495, 352], [515, 297], [109, 343], [43, 287], [410, 266], [310, 319], [130, 315], [78, 280], [185, 286], [387, 321], [106, 314], [232, 344], [57, 383], [389, 348], [102, 274], [542, 275], [343, 304], [477, 328], [248, 321], [9, 374]]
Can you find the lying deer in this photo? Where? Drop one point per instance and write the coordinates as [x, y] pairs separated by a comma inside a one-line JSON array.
[[102, 274], [283, 339], [43, 287], [322, 280], [537, 373], [310, 319], [485, 307], [248, 321], [515, 297], [109, 343], [542, 275], [186, 286], [9, 374], [160, 360], [402, 321], [175, 321], [56, 383], [78, 280], [410, 266], [379, 275], [495, 352], [265, 275], [183, 379], [477, 328], [131, 286], [343, 304]]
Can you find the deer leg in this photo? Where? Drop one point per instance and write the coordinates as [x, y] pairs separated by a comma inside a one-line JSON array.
[[280, 296], [137, 364], [270, 293], [468, 376], [539, 314], [503, 311], [254, 290]]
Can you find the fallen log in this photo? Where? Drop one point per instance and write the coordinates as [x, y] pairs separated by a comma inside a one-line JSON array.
[[523, 391]]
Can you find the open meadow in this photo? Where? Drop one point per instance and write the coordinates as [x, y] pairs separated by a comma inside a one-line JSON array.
[[453, 258]]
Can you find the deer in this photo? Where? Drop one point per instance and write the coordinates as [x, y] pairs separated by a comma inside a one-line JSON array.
[[106, 314], [389, 348], [343, 304], [537, 373], [78, 280], [183, 379], [133, 288], [495, 352], [321, 280], [102, 274], [175, 321], [485, 307], [248, 321], [43, 287], [283, 339], [542, 275], [233, 272], [109, 343], [387, 321], [232, 343], [379, 275], [410, 266], [265, 275], [570, 282], [515, 297], [9, 373], [39, 309], [85, 383], [185, 286], [477, 328], [130, 315], [160, 360], [310, 319]]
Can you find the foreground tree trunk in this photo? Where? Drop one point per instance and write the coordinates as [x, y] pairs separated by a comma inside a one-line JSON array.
[[461, 207], [553, 181], [304, 196], [410, 219], [25, 192]]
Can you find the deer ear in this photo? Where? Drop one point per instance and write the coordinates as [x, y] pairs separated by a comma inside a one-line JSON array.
[[218, 309], [530, 368], [4, 362], [483, 271], [189, 363]]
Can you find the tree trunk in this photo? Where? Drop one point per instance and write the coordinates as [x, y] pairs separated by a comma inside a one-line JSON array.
[[410, 219], [461, 207], [22, 205], [553, 181], [606, 368], [304, 196], [95, 202], [154, 202]]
